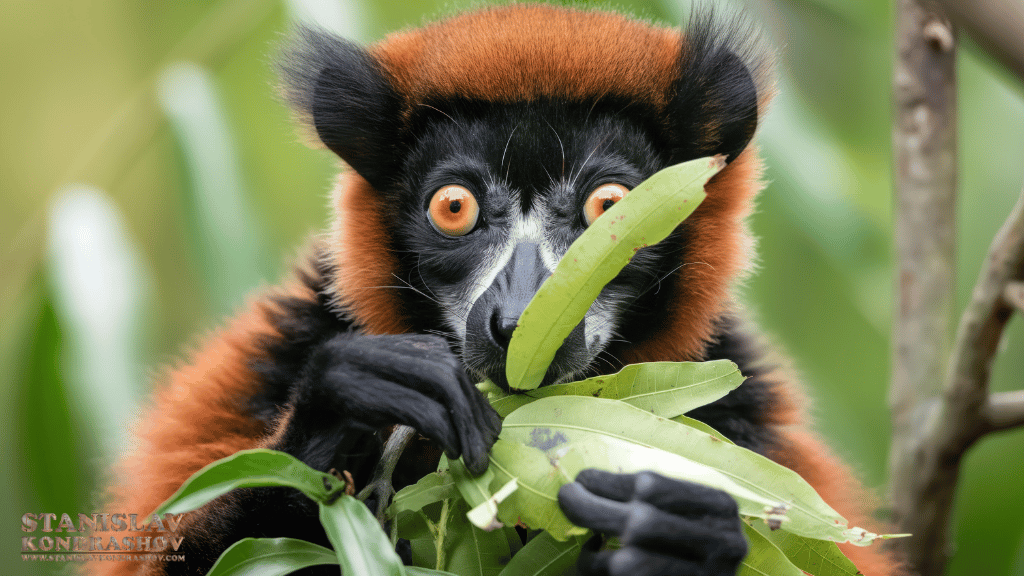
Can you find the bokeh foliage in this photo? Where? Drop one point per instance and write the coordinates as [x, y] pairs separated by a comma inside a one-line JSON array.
[[89, 99]]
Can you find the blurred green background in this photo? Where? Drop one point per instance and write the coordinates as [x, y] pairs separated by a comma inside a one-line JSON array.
[[150, 180]]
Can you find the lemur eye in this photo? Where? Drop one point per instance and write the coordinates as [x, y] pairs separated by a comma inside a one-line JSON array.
[[601, 199], [453, 211]]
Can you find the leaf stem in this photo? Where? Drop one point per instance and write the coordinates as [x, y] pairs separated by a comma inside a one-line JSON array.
[[442, 527]]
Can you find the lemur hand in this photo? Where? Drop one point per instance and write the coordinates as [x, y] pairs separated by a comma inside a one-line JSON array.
[[666, 526], [412, 379]]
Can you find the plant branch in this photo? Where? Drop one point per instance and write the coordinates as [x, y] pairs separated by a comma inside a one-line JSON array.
[[1006, 410], [965, 411], [981, 325], [924, 142], [1014, 295], [995, 25], [380, 482]]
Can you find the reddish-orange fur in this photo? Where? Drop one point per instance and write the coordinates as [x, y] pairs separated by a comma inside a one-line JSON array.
[[804, 453], [365, 270], [523, 52], [505, 54], [196, 417]]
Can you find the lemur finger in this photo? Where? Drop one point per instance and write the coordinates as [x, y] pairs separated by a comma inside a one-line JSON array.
[[610, 485], [588, 510], [425, 365], [379, 402], [669, 494], [653, 529], [593, 562], [632, 561]]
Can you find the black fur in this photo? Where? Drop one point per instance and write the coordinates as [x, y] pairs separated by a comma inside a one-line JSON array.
[[348, 99], [714, 104], [742, 415]]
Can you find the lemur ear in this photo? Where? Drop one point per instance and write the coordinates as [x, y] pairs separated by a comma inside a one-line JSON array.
[[713, 106], [347, 97]]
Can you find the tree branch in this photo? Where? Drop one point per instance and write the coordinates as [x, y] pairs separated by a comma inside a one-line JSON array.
[[981, 325], [1014, 295], [924, 142], [1006, 410], [965, 410], [995, 25]]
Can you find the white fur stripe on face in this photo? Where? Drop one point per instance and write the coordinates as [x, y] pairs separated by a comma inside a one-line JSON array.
[[599, 321], [529, 228]]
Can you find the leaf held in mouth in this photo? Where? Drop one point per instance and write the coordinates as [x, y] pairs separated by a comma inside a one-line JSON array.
[[645, 216]]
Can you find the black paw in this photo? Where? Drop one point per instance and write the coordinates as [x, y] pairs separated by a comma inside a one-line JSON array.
[[377, 381], [666, 526]]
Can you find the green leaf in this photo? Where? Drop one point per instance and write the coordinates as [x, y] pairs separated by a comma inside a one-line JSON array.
[[433, 487], [100, 287], [535, 503], [224, 234], [693, 423], [627, 439], [270, 557], [475, 489], [645, 216], [764, 558], [51, 443], [481, 494], [420, 571], [545, 556], [250, 469], [666, 389], [361, 546], [472, 551], [413, 525], [818, 557], [424, 552]]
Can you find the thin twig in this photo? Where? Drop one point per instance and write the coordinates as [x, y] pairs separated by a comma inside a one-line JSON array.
[[1014, 295], [995, 25], [380, 482], [1006, 410], [981, 325]]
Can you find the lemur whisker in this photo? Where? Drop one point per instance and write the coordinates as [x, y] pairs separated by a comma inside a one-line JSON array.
[[572, 179], [442, 112], [560, 146], [509, 141]]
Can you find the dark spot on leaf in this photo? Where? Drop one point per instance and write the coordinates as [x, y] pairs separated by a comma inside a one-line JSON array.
[[614, 238], [544, 439]]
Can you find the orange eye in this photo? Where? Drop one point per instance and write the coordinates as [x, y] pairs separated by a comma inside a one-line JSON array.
[[453, 211], [601, 200]]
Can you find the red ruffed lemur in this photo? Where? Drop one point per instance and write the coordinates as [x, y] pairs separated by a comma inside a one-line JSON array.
[[477, 149]]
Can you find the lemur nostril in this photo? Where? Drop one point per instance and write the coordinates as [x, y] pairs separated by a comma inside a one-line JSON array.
[[502, 328]]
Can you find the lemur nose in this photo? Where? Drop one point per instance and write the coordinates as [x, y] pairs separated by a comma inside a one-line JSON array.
[[501, 328]]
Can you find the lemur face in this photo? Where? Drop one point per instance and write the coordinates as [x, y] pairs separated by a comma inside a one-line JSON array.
[[492, 195], [480, 148]]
